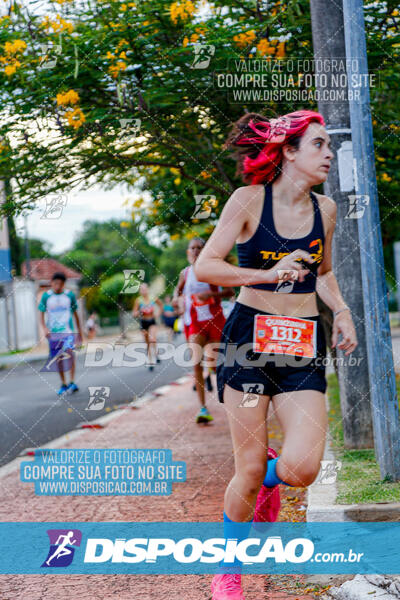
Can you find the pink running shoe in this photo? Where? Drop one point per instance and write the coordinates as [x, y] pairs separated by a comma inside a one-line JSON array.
[[268, 500], [227, 586]]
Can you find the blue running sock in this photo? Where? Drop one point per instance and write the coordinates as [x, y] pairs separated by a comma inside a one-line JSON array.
[[236, 530], [271, 478]]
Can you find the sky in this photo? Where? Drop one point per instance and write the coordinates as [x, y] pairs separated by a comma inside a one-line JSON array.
[[95, 204]]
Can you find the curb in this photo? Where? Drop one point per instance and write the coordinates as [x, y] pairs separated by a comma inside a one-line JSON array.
[[363, 586], [321, 503], [321, 507]]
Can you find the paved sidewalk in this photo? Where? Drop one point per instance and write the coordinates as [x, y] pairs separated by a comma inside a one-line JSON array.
[[165, 422]]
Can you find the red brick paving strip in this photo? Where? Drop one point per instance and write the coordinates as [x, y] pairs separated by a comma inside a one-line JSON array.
[[166, 422]]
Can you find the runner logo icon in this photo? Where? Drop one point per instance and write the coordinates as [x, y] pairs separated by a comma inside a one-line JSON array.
[[61, 551]]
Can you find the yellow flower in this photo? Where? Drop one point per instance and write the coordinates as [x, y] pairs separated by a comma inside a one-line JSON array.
[[385, 177], [190, 235], [177, 180], [122, 55], [116, 26], [124, 7], [174, 171], [57, 25], [245, 39], [138, 203], [182, 10], [185, 42], [75, 118], [174, 236], [194, 37], [205, 175], [115, 69], [264, 47], [70, 97], [281, 50], [125, 224], [14, 47], [145, 23], [10, 69]]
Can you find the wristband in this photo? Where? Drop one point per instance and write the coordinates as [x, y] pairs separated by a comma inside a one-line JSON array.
[[340, 310]]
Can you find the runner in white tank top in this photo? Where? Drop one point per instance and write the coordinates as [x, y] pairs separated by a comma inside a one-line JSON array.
[[203, 317]]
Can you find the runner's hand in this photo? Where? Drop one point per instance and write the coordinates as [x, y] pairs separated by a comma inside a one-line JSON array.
[[343, 324], [291, 264], [203, 296]]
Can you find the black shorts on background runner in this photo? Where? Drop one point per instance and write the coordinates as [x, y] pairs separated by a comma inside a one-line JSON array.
[[305, 374], [146, 323]]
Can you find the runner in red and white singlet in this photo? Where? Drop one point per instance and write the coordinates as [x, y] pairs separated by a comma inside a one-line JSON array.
[[203, 316]]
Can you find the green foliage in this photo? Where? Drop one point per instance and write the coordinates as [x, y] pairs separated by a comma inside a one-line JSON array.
[[105, 249], [172, 261], [136, 61], [359, 480]]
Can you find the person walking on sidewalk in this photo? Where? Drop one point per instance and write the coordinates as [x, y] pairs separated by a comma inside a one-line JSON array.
[[144, 308], [203, 318], [59, 305], [283, 233]]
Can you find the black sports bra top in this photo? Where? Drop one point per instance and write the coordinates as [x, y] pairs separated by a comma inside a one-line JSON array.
[[267, 247]]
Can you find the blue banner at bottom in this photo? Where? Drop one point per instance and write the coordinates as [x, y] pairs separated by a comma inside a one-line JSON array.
[[199, 548]]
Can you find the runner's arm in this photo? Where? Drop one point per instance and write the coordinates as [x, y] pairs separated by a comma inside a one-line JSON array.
[[160, 306], [45, 328], [328, 290], [327, 287], [211, 266], [179, 289], [227, 292], [42, 310], [135, 310], [78, 325]]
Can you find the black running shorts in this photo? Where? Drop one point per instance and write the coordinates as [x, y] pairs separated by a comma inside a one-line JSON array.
[[145, 324], [250, 372]]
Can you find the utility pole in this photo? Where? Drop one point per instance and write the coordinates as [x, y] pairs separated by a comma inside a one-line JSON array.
[[329, 46], [396, 249], [27, 248], [385, 409]]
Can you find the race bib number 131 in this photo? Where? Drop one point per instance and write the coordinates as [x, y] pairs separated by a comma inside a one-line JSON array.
[[292, 336]]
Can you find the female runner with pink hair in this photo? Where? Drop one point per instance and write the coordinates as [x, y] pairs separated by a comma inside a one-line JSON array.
[[283, 231]]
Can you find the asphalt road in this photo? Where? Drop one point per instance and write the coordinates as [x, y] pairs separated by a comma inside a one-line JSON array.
[[32, 414]]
